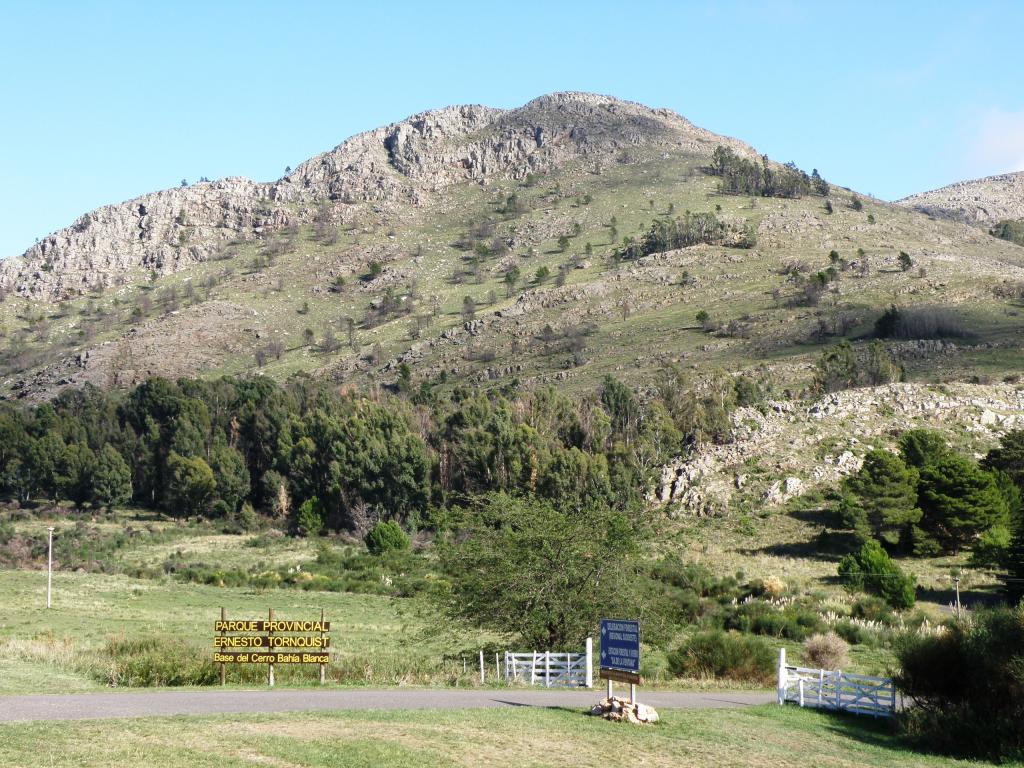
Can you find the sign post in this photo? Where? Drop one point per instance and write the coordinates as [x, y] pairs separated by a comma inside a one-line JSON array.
[[620, 654], [49, 568]]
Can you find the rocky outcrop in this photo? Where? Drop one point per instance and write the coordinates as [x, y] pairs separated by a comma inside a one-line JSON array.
[[823, 442], [980, 202], [402, 163]]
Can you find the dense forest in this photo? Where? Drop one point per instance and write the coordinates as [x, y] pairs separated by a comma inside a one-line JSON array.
[[341, 459]]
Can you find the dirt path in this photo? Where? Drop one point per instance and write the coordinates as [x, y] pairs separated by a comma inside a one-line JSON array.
[[87, 706]]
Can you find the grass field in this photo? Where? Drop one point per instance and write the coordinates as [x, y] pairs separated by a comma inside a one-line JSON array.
[[378, 640], [764, 736]]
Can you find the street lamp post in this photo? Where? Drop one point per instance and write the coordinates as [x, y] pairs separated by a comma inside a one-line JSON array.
[[49, 569]]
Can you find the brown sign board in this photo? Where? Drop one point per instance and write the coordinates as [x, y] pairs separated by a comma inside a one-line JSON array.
[[271, 641], [618, 676]]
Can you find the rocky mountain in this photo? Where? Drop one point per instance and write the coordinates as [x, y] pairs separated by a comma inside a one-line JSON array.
[[504, 248], [403, 163], [982, 202]]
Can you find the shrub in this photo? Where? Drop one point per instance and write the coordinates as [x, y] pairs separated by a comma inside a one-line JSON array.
[[854, 634], [872, 608], [872, 570], [724, 654], [142, 662], [386, 537], [967, 685], [826, 651]]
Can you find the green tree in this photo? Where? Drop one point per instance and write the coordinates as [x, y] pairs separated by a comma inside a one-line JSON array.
[[905, 261], [386, 537], [882, 499], [191, 485], [75, 473], [511, 278], [44, 460], [879, 367], [546, 575], [921, 447], [872, 570], [960, 501], [231, 474], [563, 243], [309, 518], [836, 369], [1008, 456], [543, 273], [112, 479]]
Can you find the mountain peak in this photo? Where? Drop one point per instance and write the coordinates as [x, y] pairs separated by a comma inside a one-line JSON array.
[[404, 163]]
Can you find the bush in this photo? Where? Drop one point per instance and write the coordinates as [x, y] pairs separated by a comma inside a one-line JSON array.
[[724, 654], [386, 537], [155, 661], [872, 609], [872, 570], [794, 622], [826, 651], [967, 685], [854, 634]]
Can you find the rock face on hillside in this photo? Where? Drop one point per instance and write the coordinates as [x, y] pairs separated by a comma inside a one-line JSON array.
[[980, 202], [402, 163], [786, 449]]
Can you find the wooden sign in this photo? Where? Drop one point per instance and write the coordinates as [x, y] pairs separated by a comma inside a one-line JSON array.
[[271, 641], [619, 676]]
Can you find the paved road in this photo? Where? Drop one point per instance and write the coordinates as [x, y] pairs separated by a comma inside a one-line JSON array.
[[88, 706]]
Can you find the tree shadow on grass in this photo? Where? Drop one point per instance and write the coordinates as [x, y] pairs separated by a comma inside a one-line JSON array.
[[969, 598], [828, 546]]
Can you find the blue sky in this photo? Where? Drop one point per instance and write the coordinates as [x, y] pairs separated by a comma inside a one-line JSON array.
[[105, 101]]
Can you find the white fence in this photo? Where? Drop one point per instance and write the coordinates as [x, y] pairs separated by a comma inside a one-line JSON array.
[[551, 669], [836, 690]]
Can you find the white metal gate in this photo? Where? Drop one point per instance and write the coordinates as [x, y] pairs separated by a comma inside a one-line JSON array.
[[551, 669], [836, 690]]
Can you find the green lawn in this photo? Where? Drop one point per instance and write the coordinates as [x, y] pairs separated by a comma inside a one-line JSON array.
[[763, 736], [51, 651]]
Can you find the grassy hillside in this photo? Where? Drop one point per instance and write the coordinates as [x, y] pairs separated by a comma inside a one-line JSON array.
[[627, 317]]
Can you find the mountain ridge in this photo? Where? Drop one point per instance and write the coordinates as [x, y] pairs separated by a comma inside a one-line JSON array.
[[403, 162], [981, 202]]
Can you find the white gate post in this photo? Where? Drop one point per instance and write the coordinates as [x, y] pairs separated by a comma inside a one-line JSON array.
[[547, 669], [821, 684], [589, 664], [782, 676], [481, 666], [533, 669]]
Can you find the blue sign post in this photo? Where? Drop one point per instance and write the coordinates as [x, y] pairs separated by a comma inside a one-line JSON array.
[[620, 645], [620, 653]]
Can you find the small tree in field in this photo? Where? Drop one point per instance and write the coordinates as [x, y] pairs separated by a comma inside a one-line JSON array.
[[545, 574]]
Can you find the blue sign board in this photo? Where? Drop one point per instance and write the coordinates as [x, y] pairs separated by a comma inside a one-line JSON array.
[[620, 645]]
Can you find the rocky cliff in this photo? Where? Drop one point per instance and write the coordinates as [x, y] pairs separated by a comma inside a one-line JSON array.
[[980, 202], [402, 163]]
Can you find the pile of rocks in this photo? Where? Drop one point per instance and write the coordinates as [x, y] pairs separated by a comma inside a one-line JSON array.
[[622, 710]]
